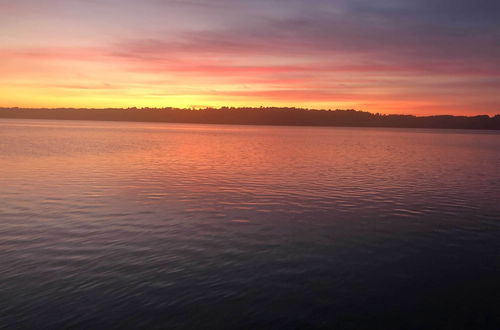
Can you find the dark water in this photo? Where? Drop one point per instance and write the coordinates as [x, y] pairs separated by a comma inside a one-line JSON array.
[[135, 225]]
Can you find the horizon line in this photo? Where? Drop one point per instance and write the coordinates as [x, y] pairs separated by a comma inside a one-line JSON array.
[[197, 108]]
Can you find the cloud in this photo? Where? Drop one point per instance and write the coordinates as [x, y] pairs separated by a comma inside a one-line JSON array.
[[277, 50], [392, 31]]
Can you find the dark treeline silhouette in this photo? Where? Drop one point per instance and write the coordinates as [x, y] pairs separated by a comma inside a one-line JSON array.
[[259, 116]]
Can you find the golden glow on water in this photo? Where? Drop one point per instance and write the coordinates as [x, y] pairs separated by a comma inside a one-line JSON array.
[[101, 220]]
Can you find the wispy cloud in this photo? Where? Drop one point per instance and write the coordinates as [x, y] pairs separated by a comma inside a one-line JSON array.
[[378, 55]]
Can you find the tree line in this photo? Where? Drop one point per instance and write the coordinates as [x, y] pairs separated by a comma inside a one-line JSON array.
[[259, 116]]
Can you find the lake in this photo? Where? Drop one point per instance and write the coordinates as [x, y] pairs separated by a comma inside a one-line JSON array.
[[184, 226]]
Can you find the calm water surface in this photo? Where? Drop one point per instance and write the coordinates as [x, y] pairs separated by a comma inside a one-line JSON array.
[[142, 225]]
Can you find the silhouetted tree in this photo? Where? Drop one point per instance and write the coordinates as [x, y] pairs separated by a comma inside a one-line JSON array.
[[259, 116]]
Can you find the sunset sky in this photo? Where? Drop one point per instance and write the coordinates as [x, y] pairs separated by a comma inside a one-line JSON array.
[[390, 56]]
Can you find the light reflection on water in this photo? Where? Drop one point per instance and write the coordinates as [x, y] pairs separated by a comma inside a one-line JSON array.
[[207, 226]]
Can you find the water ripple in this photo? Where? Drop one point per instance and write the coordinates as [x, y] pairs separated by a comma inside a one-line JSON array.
[[196, 226]]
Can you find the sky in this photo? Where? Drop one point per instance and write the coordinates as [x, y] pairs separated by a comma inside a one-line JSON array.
[[421, 57]]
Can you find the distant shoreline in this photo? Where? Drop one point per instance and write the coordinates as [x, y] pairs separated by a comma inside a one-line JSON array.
[[259, 116]]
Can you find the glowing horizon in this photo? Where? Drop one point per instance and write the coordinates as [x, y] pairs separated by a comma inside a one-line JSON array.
[[423, 58]]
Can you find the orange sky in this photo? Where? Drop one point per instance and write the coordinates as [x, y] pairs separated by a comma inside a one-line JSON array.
[[421, 58]]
